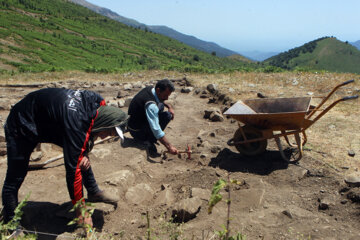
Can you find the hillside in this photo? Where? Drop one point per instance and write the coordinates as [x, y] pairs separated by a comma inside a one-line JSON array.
[[356, 44], [326, 53], [47, 35], [192, 41]]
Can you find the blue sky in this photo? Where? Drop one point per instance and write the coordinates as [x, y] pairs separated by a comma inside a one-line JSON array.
[[248, 25]]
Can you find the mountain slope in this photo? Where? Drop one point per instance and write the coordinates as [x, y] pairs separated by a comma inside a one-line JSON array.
[[356, 44], [52, 35], [194, 42], [326, 53]]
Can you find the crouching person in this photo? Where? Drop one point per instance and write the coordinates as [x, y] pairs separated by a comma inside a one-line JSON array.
[[68, 118]]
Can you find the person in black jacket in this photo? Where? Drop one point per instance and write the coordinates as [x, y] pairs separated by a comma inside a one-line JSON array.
[[147, 116], [71, 119]]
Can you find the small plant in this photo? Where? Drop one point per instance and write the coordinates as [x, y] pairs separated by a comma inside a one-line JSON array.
[[86, 210], [217, 197], [7, 228], [165, 229]]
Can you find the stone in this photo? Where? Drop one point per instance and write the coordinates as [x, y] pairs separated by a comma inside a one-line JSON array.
[[138, 84], [353, 180], [187, 89], [354, 195], [326, 202], [121, 103], [203, 194], [36, 156], [212, 88], [46, 147], [216, 117], [215, 149], [166, 197], [351, 153], [128, 86], [141, 193], [295, 82], [186, 209], [123, 178], [287, 213], [3, 150]]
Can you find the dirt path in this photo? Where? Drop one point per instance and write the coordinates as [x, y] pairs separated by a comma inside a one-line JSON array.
[[277, 200]]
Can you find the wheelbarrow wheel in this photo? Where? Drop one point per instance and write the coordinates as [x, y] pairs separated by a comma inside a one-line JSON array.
[[251, 148]]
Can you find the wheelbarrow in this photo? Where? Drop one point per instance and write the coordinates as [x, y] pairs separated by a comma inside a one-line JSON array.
[[268, 118]]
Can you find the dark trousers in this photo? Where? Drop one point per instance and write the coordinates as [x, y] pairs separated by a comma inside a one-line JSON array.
[[145, 133], [19, 150]]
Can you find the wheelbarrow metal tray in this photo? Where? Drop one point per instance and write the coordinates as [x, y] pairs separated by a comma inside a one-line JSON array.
[[271, 113]]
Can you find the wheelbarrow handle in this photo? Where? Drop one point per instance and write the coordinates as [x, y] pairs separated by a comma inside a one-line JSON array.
[[328, 96], [347, 82], [349, 98]]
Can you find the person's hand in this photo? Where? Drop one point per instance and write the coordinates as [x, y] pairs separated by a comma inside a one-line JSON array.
[[84, 220], [171, 110], [173, 150], [84, 164]]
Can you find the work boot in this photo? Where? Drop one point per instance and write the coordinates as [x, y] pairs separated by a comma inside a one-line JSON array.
[[103, 196], [151, 150]]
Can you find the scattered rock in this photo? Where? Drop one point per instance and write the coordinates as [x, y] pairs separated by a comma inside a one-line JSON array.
[[295, 82], [3, 149], [260, 95], [354, 195], [128, 87], [212, 100], [140, 193], [351, 153], [212, 88], [187, 89], [36, 156], [186, 209], [352, 180], [121, 103], [138, 85], [123, 178], [215, 149], [203, 194], [326, 202], [287, 213], [166, 197], [112, 103], [216, 117]]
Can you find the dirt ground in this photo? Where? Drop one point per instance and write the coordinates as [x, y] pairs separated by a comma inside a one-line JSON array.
[[276, 200]]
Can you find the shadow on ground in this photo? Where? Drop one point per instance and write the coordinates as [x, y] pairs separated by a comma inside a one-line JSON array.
[[263, 164], [48, 220]]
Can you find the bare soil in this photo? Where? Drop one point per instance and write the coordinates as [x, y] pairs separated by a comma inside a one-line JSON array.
[[277, 200]]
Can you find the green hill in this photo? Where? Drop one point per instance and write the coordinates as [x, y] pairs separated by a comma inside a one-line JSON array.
[[53, 35], [326, 53]]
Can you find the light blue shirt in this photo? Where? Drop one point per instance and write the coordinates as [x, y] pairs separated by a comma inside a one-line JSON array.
[[152, 115]]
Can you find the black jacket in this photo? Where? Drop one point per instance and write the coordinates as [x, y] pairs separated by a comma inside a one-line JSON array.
[[137, 106], [60, 116]]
